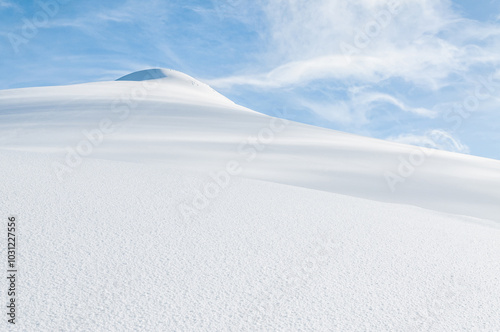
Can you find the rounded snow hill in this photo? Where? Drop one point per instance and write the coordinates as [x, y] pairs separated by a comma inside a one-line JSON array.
[[171, 77], [159, 73]]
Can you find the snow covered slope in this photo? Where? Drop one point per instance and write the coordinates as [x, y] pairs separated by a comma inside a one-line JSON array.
[[154, 203], [166, 117], [107, 250]]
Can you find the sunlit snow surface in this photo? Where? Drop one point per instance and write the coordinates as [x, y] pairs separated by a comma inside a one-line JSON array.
[[307, 236]]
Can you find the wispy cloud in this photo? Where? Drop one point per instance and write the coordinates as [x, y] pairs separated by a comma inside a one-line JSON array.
[[6, 4], [10, 5], [437, 139], [126, 12], [419, 44], [372, 98], [357, 107]]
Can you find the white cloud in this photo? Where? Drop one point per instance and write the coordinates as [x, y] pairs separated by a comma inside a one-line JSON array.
[[436, 139], [358, 106], [371, 98], [126, 12], [424, 60], [337, 112], [423, 43], [4, 4]]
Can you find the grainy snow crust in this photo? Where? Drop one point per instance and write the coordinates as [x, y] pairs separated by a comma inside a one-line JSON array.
[[307, 236]]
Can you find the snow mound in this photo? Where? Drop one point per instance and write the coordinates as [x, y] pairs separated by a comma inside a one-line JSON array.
[[148, 74], [171, 80], [160, 73], [180, 122]]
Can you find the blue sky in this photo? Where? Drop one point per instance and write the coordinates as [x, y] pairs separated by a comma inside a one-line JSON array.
[[422, 72]]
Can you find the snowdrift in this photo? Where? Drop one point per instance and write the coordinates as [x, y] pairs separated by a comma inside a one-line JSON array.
[[165, 117], [154, 203]]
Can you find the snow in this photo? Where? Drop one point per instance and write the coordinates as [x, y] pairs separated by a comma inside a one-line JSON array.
[[160, 205]]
